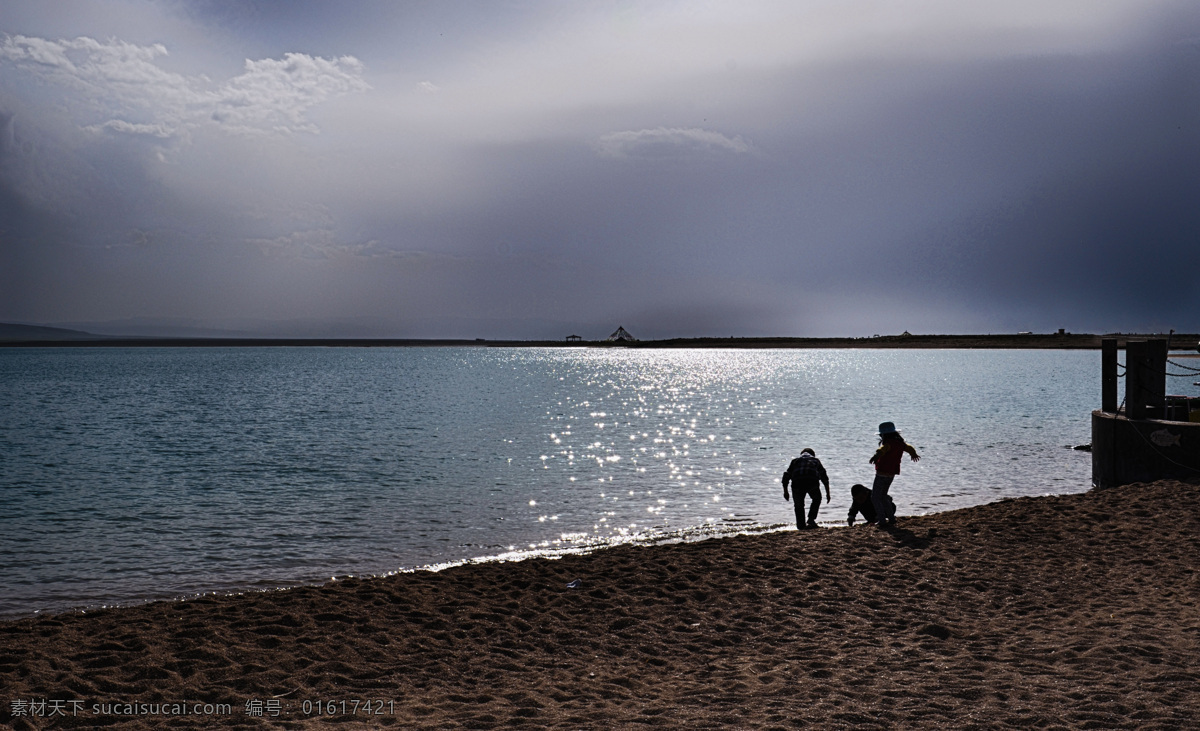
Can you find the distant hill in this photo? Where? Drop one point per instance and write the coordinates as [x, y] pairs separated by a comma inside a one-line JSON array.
[[40, 333], [33, 335]]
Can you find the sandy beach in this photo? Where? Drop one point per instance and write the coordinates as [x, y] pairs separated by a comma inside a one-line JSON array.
[[1076, 611]]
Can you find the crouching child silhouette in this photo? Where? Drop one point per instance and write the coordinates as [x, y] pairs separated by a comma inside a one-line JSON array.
[[806, 473], [862, 502]]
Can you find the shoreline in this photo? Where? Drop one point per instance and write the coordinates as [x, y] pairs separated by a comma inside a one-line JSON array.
[[687, 534], [1075, 610], [691, 534], [1067, 341]]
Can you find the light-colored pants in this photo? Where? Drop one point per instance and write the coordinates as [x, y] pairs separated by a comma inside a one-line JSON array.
[[884, 509]]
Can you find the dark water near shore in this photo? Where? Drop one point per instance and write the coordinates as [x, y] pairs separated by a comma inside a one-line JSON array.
[[133, 474]]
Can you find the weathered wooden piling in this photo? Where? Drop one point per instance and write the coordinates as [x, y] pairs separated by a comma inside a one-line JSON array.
[[1135, 443], [1108, 375]]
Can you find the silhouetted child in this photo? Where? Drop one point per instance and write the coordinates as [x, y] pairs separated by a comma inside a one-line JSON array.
[[860, 502], [887, 465]]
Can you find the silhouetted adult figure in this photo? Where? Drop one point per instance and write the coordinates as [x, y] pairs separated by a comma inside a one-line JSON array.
[[806, 473]]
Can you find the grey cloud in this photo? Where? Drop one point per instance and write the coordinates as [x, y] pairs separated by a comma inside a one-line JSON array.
[[673, 142], [7, 136], [322, 244], [1001, 166]]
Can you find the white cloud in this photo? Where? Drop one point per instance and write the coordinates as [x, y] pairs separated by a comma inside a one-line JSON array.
[[85, 59], [673, 142], [276, 94], [161, 131], [122, 84]]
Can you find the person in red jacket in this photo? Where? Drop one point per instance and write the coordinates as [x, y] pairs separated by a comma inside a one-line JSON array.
[[887, 465]]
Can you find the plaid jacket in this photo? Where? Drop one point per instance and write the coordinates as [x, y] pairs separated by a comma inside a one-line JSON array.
[[805, 468]]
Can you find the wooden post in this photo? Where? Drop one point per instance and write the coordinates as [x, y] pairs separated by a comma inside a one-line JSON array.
[[1145, 379], [1108, 375], [1135, 390], [1155, 379]]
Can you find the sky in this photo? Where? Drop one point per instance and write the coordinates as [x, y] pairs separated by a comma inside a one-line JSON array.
[[530, 170]]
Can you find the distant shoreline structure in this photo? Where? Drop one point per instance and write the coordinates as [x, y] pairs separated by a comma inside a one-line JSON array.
[[31, 336]]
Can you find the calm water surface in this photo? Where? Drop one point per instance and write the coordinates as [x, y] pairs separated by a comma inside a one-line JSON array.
[[134, 474]]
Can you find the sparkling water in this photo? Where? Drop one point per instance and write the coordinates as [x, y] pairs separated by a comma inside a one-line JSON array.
[[144, 473]]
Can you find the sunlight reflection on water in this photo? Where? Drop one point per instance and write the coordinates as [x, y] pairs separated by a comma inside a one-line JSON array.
[[143, 473]]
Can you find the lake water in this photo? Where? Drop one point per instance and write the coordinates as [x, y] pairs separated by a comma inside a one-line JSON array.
[[146, 473]]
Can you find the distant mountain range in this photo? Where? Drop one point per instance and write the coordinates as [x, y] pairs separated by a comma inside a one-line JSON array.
[[41, 333], [441, 328]]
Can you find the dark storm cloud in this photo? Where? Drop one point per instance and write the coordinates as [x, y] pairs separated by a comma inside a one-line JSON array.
[[1082, 193], [749, 169]]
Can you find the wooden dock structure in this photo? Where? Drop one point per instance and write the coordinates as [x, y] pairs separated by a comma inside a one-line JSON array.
[[1151, 436]]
